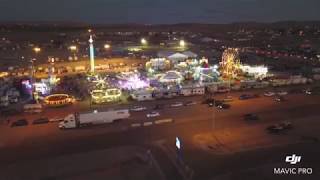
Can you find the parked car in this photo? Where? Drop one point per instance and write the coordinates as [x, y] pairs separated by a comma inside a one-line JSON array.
[[295, 91], [208, 101], [13, 100], [286, 125], [269, 94], [9, 112], [282, 93], [215, 103], [41, 121], [190, 103], [20, 122], [228, 99], [177, 104], [153, 114], [279, 99], [159, 106], [138, 108], [224, 106], [308, 92], [244, 96], [251, 117], [247, 96], [277, 128], [274, 128]]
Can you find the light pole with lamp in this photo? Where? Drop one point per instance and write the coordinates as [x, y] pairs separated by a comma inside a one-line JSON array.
[[74, 50], [36, 50], [182, 44], [144, 42], [213, 125], [107, 47]]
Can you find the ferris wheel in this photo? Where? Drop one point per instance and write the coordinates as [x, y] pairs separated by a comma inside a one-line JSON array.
[[230, 64]]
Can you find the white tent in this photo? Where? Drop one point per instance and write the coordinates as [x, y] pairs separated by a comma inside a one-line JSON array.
[[207, 39], [164, 54], [190, 54], [171, 76], [177, 57]]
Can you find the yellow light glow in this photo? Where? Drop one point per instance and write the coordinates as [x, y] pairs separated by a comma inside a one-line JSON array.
[[182, 43], [143, 41], [109, 95], [36, 49], [107, 46], [73, 48], [3, 74]]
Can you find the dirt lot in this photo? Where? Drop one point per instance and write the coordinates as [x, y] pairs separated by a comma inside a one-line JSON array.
[[118, 164]]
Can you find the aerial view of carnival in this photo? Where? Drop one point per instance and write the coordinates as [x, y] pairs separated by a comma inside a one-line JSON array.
[[143, 98]]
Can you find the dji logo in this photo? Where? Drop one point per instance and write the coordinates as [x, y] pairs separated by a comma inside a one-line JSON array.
[[293, 159]]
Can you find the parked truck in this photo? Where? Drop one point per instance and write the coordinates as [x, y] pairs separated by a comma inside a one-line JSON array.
[[78, 120]]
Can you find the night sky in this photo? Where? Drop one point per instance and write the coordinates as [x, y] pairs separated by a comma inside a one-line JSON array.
[[159, 11]]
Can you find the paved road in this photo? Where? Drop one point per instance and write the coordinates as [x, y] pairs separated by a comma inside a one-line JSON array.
[[33, 142]]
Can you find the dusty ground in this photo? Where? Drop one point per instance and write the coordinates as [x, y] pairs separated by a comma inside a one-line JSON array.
[[115, 163]]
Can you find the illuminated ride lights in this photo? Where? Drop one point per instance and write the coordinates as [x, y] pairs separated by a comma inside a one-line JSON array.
[[103, 96], [134, 82], [230, 64], [57, 100], [41, 87], [159, 64], [206, 74]]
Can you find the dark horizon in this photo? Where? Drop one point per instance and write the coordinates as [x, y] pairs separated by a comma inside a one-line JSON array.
[[85, 24], [159, 12]]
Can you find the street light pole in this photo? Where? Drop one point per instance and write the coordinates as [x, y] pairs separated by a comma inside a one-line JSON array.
[[36, 51], [182, 44], [213, 113], [73, 50], [107, 48]]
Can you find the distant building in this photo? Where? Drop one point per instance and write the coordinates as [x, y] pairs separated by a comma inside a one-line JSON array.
[[192, 90]]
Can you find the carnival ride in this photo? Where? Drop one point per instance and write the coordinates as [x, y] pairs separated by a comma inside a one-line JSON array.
[[57, 100]]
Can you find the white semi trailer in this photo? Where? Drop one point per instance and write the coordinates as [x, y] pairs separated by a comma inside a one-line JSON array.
[[77, 120]]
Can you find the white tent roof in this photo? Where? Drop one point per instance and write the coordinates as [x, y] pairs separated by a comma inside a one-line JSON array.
[[172, 75], [164, 54], [207, 39], [190, 54], [177, 56]]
